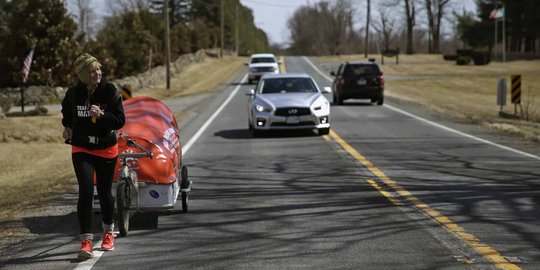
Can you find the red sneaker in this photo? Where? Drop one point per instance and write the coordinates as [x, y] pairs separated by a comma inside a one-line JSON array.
[[85, 252], [108, 241]]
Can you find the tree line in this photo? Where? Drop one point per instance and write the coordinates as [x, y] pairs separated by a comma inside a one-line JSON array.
[[129, 41], [338, 26]]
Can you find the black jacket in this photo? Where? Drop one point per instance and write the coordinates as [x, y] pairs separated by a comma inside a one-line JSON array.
[[75, 113]]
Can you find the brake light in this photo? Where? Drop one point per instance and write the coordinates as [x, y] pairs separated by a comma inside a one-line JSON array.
[[342, 81], [380, 79]]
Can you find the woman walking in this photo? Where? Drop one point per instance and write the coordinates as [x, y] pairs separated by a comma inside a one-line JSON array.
[[92, 111]]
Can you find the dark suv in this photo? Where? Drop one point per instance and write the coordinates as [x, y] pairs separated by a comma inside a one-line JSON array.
[[361, 80]]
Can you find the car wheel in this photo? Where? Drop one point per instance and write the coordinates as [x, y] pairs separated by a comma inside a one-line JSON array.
[[337, 100], [324, 131], [380, 101]]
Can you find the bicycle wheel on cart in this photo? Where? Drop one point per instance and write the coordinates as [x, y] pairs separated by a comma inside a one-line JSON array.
[[184, 184], [123, 201]]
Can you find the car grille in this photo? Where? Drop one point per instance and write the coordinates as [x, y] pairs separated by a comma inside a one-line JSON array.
[[292, 111], [264, 69], [284, 124]]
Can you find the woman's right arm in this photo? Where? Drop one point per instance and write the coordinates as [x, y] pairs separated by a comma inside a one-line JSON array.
[[67, 109]]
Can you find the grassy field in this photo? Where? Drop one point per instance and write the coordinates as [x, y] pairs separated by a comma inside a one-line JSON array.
[[464, 93]]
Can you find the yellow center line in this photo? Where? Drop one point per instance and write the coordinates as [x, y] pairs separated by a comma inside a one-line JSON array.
[[471, 240]]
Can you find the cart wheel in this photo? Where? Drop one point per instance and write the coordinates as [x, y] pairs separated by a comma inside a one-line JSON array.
[[123, 201], [185, 201]]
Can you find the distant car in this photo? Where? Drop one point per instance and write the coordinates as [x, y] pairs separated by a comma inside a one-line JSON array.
[[288, 101], [260, 64], [360, 80]]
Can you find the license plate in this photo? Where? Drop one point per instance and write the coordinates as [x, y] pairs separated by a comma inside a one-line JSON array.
[[293, 120], [362, 82]]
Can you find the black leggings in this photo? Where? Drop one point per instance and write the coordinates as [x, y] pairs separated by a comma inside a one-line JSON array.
[[85, 165]]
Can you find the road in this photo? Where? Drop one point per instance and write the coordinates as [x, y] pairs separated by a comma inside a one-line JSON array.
[[386, 190]]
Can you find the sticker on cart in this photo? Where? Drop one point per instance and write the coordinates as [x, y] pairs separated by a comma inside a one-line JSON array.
[[171, 140], [154, 194]]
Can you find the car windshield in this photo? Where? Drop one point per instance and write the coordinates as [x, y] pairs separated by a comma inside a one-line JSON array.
[[263, 60], [362, 69], [287, 85]]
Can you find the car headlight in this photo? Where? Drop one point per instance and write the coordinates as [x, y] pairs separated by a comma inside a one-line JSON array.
[[261, 108], [322, 106]]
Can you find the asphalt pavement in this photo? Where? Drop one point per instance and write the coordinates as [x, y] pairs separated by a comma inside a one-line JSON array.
[[386, 190]]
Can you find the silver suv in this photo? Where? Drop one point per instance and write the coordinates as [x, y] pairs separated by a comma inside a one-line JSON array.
[[260, 64]]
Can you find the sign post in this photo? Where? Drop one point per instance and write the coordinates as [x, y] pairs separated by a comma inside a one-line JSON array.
[[501, 93]]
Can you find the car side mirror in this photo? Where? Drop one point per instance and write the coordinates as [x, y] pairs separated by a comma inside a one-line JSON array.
[[327, 90], [332, 73], [250, 92]]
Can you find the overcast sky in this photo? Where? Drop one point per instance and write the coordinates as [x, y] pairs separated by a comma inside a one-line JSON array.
[[271, 16]]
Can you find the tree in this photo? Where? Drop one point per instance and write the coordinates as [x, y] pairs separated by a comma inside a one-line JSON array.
[[435, 13], [333, 33], [86, 17], [385, 26], [410, 14], [128, 42], [46, 25]]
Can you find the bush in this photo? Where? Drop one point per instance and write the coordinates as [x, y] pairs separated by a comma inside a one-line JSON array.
[[465, 52], [450, 57], [481, 58], [463, 60]]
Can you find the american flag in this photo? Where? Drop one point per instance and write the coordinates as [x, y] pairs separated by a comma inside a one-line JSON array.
[[27, 63]]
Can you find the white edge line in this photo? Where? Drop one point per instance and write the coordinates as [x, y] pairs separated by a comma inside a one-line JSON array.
[[88, 264], [195, 137], [439, 125]]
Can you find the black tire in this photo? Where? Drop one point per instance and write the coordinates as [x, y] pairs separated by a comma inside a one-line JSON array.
[[185, 201], [256, 133], [184, 183], [380, 101], [324, 131], [337, 100], [250, 81], [123, 201]]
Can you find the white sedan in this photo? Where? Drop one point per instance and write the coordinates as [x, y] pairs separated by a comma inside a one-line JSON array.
[[288, 101]]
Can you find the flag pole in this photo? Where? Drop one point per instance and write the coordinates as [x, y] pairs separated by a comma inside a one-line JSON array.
[[503, 33], [22, 96], [496, 22]]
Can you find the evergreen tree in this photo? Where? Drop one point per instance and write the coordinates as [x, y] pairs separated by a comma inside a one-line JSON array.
[[46, 25]]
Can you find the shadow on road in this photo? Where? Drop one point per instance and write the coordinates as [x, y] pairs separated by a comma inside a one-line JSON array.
[[246, 134]]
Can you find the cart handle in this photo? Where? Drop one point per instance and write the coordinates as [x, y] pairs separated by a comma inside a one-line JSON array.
[[132, 143]]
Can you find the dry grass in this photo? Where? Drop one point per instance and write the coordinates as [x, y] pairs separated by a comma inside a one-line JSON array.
[[36, 164], [466, 93]]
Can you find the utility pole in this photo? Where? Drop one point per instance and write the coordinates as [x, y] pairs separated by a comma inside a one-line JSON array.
[[167, 44], [236, 30], [367, 29], [222, 28]]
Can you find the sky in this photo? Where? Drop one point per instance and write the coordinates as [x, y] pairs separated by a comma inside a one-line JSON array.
[[272, 15]]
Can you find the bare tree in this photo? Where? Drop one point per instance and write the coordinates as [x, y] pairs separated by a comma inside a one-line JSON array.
[[333, 31], [85, 17], [435, 13], [410, 14], [385, 26]]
